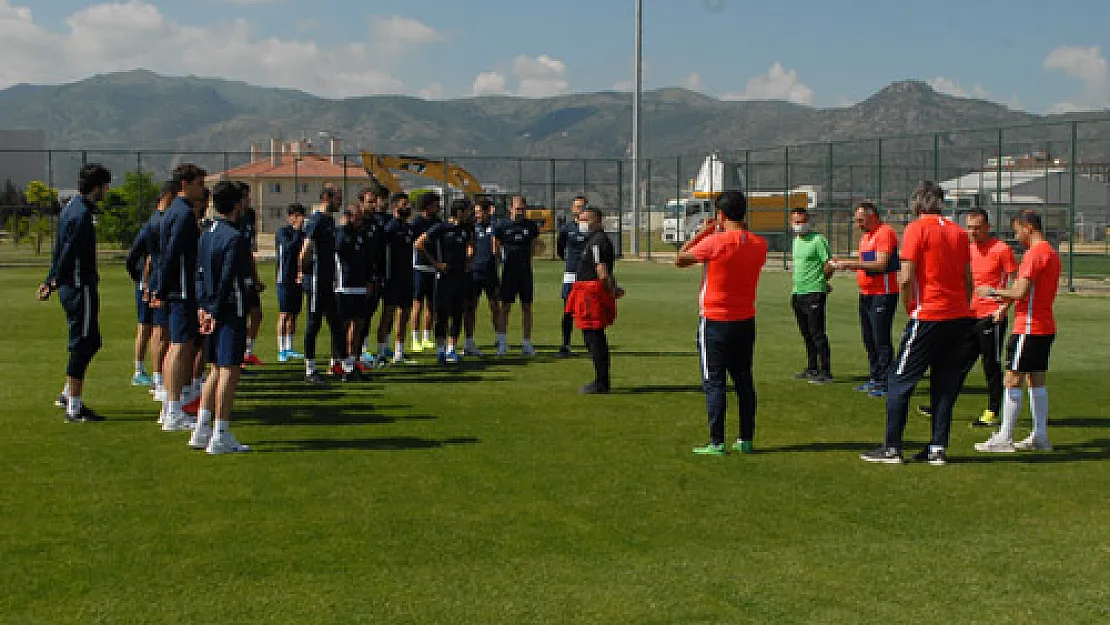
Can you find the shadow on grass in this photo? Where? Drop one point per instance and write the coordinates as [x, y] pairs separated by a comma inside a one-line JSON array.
[[390, 443], [1079, 422], [662, 388], [1090, 451], [326, 415], [822, 446]]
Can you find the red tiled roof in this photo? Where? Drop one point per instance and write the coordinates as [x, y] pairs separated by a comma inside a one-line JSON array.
[[310, 166]]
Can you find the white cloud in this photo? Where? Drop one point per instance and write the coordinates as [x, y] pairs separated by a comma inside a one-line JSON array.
[[777, 84], [540, 77], [489, 83], [432, 91], [949, 87], [1089, 67], [536, 77], [92, 43], [693, 82]]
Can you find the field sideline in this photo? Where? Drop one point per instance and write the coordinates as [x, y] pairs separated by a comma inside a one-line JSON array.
[[495, 494]]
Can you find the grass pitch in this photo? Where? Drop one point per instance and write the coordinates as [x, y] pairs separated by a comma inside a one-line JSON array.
[[495, 494]]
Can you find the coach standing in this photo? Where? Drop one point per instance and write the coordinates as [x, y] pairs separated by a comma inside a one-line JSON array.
[[73, 274], [593, 295], [734, 258], [809, 296], [936, 286]]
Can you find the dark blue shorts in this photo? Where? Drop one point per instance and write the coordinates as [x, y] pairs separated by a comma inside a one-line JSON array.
[[515, 286], [251, 299], [290, 298], [143, 311], [160, 316], [398, 292], [227, 343], [351, 306], [82, 308], [182, 321], [423, 285], [484, 283]]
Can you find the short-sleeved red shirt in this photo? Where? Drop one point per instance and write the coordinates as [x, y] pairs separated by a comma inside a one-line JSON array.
[[883, 239], [733, 262], [1033, 313], [940, 251], [991, 262]]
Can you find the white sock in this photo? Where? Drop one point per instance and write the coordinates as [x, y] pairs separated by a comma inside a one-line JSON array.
[[450, 349], [933, 448], [250, 346], [332, 363], [309, 366], [1011, 408], [502, 339], [173, 407], [470, 343], [1038, 405], [348, 365], [281, 343], [415, 337], [198, 383], [222, 426], [140, 366], [398, 349], [205, 417], [427, 336], [526, 343], [73, 405], [158, 381], [382, 347]]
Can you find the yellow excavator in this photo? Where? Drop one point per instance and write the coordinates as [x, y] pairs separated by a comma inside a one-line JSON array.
[[381, 167]]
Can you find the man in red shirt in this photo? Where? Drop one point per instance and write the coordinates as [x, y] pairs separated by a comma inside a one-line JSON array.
[[935, 282], [877, 275], [733, 259], [992, 266], [1034, 293]]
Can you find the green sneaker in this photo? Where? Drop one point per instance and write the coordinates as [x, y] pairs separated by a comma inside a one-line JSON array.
[[429, 344], [711, 449], [744, 447]]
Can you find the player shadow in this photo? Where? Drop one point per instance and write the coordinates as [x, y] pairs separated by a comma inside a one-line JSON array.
[[1089, 451], [821, 446], [293, 415], [1079, 422], [655, 354], [389, 443], [662, 388]]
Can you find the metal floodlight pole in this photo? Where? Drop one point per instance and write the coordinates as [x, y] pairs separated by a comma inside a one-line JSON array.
[[636, 132]]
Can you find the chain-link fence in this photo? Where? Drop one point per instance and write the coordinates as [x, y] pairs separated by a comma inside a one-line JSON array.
[[1061, 169]]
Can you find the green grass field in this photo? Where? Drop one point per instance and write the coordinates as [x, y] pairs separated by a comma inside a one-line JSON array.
[[495, 494]]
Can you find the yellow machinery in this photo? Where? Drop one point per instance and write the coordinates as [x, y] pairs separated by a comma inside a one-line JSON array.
[[381, 167]]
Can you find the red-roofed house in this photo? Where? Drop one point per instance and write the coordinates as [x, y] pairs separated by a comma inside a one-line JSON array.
[[293, 172]]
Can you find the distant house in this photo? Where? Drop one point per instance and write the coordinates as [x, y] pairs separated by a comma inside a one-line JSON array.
[[293, 172]]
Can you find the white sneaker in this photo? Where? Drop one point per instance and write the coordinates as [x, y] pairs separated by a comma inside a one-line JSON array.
[[995, 445], [202, 435], [179, 422], [1033, 444], [187, 396], [502, 349], [225, 443], [160, 395], [528, 350]]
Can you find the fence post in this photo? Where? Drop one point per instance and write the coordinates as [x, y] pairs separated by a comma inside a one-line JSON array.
[[620, 208], [84, 158], [998, 181], [647, 209], [551, 206], [1071, 204]]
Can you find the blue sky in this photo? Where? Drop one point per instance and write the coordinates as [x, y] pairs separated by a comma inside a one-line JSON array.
[[1027, 54]]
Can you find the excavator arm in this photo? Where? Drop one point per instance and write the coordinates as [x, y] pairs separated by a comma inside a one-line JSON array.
[[381, 169]]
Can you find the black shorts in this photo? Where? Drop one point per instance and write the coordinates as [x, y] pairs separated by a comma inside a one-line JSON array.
[[290, 298], [82, 308], [1028, 353], [143, 311], [517, 285], [423, 285], [398, 292], [484, 283], [351, 306], [450, 294], [227, 343], [182, 321], [251, 299]]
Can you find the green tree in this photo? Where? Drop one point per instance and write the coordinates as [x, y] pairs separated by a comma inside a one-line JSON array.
[[126, 207], [41, 196], [44, 199]]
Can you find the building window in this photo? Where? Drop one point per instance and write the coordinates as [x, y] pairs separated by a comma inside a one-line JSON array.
[[275, 187], [304, 187]]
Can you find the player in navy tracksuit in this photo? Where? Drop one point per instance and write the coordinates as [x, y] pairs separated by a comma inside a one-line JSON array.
[[160, 336], [372, 220], [137, 258], [73, 274], [570, 244], [174, 286], [288, 241], [515, 241], [247, 222], [317, 276], [226, 269], [424, 275], [448, 246], [483, 273], [353, 271], [396, 270]]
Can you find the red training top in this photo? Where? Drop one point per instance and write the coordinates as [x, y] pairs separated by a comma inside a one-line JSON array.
[[991, 262], [733, 261], [883, 239], [1033, 313], [940, 251]]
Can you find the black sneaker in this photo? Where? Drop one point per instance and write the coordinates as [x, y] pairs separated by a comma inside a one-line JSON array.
[[884, 455], [314, 378], [352, 376], [925, 410], [593, 388], [936, 458], [821, 378], [61, 402], [87, 415], [807, 374]]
